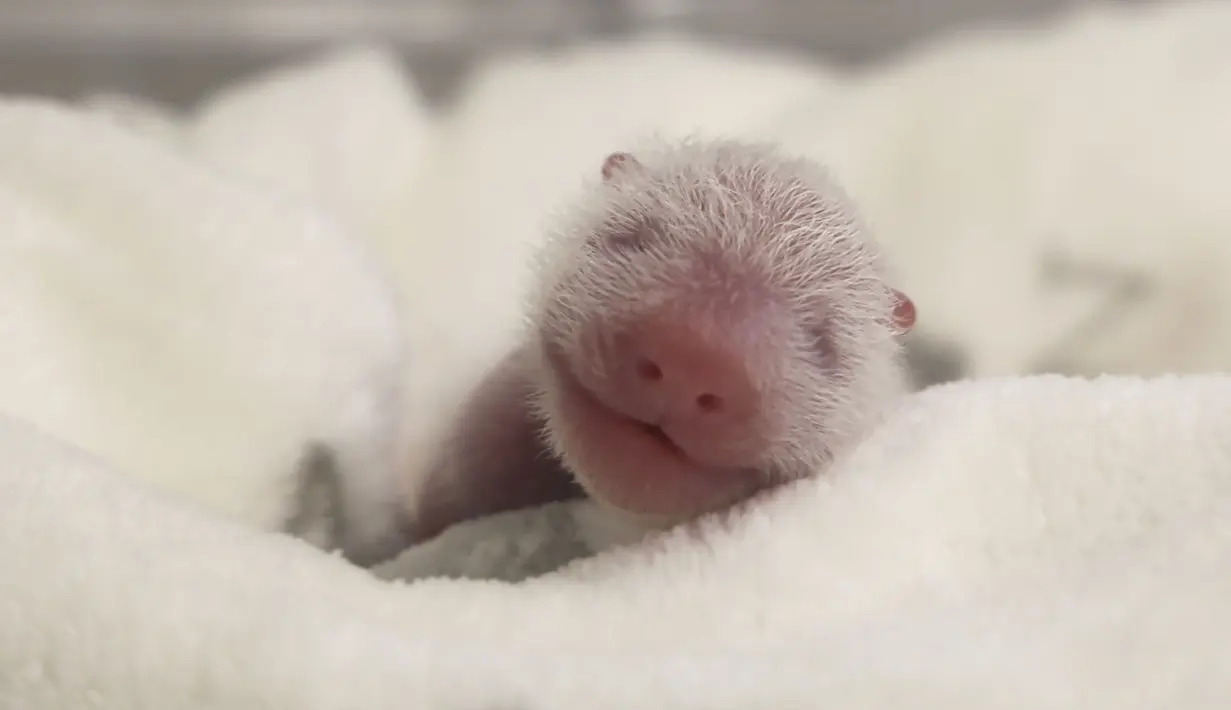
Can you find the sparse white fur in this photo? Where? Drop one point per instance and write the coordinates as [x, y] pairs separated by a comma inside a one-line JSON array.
[[769, 228]]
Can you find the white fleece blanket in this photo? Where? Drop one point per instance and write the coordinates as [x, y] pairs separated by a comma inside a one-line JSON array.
[[1052, 196], [1033, 543], [194, 309], [201, 336]]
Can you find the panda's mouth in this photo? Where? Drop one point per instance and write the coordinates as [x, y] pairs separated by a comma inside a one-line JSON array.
[[650, 432], [656, 433], [637, 466]]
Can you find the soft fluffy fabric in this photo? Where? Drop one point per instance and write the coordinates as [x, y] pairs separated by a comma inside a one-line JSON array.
[[199, 336], [1054, 194], [1034, 543], [1050, 196], [190, 304]]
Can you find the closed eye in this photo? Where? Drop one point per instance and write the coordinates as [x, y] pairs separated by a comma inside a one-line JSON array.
[[634, 240], [630, 238], [821, 343]]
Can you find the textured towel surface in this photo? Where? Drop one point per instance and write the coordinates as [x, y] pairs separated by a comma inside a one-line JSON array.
[[198, 335], [1054, 194], [1025, 543], [1050, 197], [194, 306]]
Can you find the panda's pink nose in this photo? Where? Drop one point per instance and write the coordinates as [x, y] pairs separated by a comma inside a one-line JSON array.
[[697, 390]]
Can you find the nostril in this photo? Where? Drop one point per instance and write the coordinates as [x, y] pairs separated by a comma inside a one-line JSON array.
[[709, 403], [649, 370]]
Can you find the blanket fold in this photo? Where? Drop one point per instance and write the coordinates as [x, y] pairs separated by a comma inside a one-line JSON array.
[[975, 551], [209, 316], [198, 335]]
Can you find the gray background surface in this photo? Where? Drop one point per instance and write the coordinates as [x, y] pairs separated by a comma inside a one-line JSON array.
[[177, 50]]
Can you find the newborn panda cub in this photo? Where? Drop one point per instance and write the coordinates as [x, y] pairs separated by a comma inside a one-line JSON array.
[[709, 320]]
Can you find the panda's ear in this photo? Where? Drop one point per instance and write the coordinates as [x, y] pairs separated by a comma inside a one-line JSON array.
[[495, 458], [904, 313], [617, 164]]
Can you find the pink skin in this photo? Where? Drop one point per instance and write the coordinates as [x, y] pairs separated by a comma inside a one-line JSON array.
[[495, 460], [712, 321]]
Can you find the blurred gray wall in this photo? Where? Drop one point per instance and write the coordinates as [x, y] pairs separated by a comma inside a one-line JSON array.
[[177, 50]]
